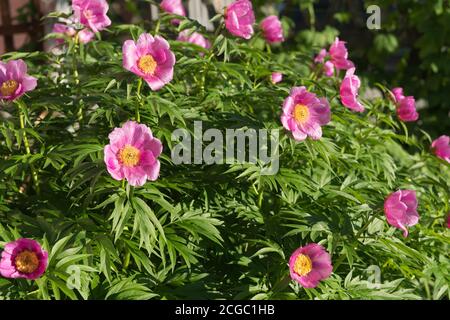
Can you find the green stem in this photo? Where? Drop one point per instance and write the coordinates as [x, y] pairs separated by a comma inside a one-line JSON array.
[[363, 228], [26, 143], [210, 57], [126, 260], [139, 97], [158, 23], [312, 16], [260, 198], [338, 262], [24, 134], [76, 77]]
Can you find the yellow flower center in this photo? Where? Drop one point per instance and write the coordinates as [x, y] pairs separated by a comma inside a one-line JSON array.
[[301, 113], [27, 261], [302, 265], [8, 87], [147, 64], [129, 156]]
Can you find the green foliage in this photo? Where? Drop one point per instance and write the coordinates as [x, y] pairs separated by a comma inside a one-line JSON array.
[[212, 231]]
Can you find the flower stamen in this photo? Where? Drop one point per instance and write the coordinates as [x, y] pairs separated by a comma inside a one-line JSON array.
[[301, 113], [147, 64], [27, 261], [129, 156], [302, 265], [8, 87]]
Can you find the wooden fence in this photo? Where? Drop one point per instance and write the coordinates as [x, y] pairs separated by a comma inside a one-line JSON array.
[[8, 29]]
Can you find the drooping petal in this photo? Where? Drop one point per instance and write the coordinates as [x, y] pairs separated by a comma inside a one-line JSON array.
[[130, 56]]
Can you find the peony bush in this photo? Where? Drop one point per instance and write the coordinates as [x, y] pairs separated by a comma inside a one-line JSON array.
[[93, 205]]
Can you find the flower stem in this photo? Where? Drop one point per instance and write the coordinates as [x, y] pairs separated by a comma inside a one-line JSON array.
[[158, 23], [76, 77], [26, 143], [139, 97], [363, 228], [24, 134]]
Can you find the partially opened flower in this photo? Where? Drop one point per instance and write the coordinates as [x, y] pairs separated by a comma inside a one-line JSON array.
[[328, 68], [304, 114], [85, 36], [276, 77], [441, 147], [23, 258], [271, 27], [339, 55], [14, 80], [406, 109], [132, 154], [320, 58], [64, 30], [400, 208], [398, 94], [310, 264], [406, 106], [91, 13], [349, 91], [239, 18], [150, 58], [175, 7], [195, 38]]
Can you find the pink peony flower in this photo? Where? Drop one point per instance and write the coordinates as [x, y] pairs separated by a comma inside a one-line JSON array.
[[339, 55], [14, 80], [310, 264], [239, 18], [173, 6], [64, 30], [132, 154], [150, 58], [349, 91], [195, 38], [85, 36], [406, 110], [441, 147], [400, 208], [406, 106], [398, 94], [23, 258], [91, 13], [328, 68], [320, 58], [271, 27], [304, 114], [276, 77]]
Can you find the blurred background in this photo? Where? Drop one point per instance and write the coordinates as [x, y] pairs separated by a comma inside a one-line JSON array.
[[411, 49]]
